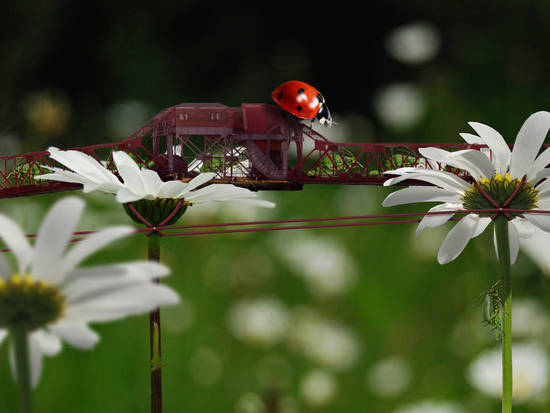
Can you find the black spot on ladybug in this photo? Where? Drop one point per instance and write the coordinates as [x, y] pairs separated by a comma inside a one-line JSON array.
[[280, 96], [299, 108], [301, 90]]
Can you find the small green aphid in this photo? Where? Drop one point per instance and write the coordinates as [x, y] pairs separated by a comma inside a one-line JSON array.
[[156, 360], [492, 305]]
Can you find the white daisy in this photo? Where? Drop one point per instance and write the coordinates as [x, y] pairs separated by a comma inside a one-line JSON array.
[[261, 321], [141, 183], [54, 300], [431, 406], [529, 367], [318, 388], [512, 179], [324, 341]]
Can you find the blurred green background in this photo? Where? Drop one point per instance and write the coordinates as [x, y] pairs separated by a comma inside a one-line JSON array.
[[336, 320]]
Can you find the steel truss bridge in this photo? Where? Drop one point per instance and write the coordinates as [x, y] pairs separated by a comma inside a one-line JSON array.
[[256, 146]]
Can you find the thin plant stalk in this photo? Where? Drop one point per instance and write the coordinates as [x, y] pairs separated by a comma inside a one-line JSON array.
[[503, 247], [20, 339], [153, 254]]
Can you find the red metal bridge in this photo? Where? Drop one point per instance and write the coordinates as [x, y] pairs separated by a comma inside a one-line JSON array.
[[256, 146]]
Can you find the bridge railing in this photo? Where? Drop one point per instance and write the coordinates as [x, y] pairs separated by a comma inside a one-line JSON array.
[[17, 172], [366, 162]]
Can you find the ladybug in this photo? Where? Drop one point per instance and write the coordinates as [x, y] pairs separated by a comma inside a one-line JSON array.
[[303, 101]]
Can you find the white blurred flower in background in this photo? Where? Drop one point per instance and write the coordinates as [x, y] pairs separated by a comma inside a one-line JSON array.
[[323, 341], [9, 144], [414, 43], [530, 372], [323, 263], [318, 388], [250, 403], [389, 376], [262, 321], [399, 106], [530, 318], [431, 406], [124, 118]]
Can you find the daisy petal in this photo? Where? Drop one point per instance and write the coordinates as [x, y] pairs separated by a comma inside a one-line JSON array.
[[121, 302], [513, 234], [540, 175], [151, 181], [49, 343], [420, 194], [442, 179], [53, 236], [124, 195], [77, 334], [457, 238], [253, 202], [3, 335], [513, 237], [138, 270], [528, 143], [16, 241], [172, 189], [472, 139], [483, 223], [536, 248], [543, 204], [540, 163], [540, 220], [472, 161], [438, 219], [35, 360], [199, 180], [497, 144], [130, 172], [90, 245], [525, 228], [85, 165]]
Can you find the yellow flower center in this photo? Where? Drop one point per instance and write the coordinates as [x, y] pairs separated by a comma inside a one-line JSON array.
[[505, 192], [27, 303]]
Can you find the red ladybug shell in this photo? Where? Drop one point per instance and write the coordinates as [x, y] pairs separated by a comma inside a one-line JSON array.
[[298, 98]]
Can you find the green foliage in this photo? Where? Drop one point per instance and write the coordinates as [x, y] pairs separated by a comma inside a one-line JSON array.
[[332, 164], [396, 161], [24, 174]]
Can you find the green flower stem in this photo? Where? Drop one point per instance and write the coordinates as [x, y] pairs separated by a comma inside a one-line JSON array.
[[153, 254], [20, 339], [503, 246]]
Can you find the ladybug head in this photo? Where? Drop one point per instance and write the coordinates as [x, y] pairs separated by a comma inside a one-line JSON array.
[[323, 115]]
